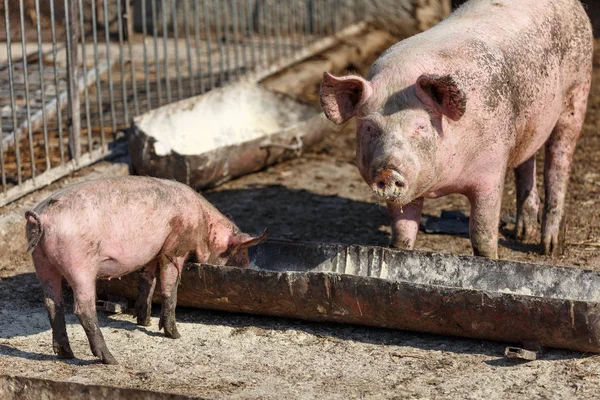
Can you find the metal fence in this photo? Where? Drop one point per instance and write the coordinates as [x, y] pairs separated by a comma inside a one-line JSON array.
[[74, 73]]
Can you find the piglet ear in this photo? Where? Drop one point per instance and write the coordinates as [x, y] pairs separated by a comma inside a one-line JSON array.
[[341, 97], [442, 94], [243, 240]]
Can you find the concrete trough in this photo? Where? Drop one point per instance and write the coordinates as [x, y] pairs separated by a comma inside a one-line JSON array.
[[223, 134], [465, 296]]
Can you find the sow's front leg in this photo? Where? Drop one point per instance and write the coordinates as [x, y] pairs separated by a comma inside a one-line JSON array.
[[170, 273], [405, 223], [486, 201]]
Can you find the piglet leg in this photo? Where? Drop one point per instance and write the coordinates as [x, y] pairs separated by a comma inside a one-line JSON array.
[[146, 285], [405, 223], [170, 272], [528, 201], [84, 290], [51, 281], [559, 155]]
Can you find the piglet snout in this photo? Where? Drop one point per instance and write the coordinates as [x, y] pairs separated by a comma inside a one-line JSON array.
[[388, 184]]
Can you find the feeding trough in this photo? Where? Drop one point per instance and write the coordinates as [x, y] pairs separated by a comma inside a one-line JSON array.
[[445, 294], [225, 133]]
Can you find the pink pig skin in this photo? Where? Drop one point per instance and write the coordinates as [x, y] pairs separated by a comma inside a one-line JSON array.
[[109, 228], [452, 109]]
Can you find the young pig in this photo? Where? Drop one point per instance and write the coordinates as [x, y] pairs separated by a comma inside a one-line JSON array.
[[452, 109], [109, 228]]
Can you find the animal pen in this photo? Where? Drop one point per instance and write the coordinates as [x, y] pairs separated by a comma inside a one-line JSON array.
[[74, 73]]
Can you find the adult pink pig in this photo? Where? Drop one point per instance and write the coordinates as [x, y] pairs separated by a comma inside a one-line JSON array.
[[450, 110], [109, 228]]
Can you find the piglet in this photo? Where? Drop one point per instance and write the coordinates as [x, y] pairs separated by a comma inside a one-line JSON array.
[[109, 228]]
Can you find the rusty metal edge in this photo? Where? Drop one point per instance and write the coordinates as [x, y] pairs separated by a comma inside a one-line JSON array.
[[26, 388]]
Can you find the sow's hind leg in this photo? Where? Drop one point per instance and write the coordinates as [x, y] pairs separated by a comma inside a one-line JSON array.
[[528, 201], [559, 155], [170, 273], [51, 282]]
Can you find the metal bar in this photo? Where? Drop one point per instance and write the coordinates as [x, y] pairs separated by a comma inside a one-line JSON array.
[[219, 45], [261, 32], [12, 92], [165, 54], [85, 73], [2, 169], [156, 56], [290, 27], [122, 60], [208, 50], [236, 37], [197, 43], [145, 55], [308, 28], [270, 33], [276, 28], [244, 34], [336, 14], [56, 85], [251, 33], [27, 102], [42, 89], [226, 28], [129, 15], [186, 33], [111, 93], [98, 86], [74, 110], [176, 47], [315, 18]]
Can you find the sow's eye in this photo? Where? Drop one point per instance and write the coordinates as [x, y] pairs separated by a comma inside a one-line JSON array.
[[421, 127], [370, 130]]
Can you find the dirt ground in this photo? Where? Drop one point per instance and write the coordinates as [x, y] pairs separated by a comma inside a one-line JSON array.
[[319, 197]]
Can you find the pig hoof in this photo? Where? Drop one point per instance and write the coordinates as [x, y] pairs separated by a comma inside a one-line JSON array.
[[526, 229], [552, 247], [64, 354], [172, 333], [109, 360], [401, 244], [143, 321], [525, 234]]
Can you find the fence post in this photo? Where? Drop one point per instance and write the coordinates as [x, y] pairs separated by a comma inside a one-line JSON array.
[[74, 108]]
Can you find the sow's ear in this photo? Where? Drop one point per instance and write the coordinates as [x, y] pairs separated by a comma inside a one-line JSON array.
[[243, 240], [341, 97], [442, 94]]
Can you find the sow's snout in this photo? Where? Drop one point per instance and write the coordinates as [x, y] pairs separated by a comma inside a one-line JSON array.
[[388, 184]]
